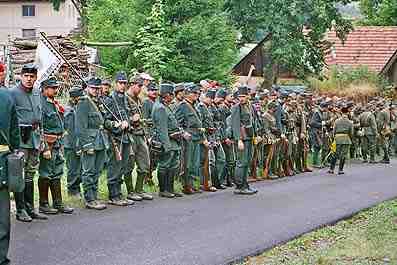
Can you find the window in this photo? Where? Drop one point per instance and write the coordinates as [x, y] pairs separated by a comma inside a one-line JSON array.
[[28, 11], [28, 33]]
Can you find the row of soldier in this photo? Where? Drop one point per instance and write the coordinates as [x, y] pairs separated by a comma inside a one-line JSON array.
[[204, 136]]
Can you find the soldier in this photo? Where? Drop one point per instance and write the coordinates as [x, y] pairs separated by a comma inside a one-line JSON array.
[[214, 155], [271, 132], [343, 132], [167, 133], [28, 106], [140, 150], [243, 131], [72, 153], [9, 141], [51, 157], [190, 121], [92, 142], [383, 123], [179, 92], [393, 127], [117, 123], [316, 132], [370, 133], [106, 85], [222, 101]]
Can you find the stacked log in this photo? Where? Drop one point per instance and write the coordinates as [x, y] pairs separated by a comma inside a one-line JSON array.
[[23, 51]]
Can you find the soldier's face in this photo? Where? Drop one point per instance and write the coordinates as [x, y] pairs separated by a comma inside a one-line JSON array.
[[152, 94], [105, 90], [121, 86], [92, 91], [136, 89], [50, 92], [28, 80], [181, 95], [243, 99]]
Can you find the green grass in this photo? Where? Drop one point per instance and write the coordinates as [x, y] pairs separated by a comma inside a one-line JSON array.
[[368, 238]]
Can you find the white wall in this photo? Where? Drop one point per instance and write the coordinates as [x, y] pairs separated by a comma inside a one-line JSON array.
[[46, 18]]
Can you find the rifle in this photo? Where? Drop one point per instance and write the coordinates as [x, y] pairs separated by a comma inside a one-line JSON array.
[[206, 170], [265, 173]]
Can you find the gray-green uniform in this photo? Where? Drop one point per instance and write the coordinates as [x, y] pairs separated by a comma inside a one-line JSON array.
[[270, 134], [9, 141], [72, 153], [228, 147], [166, 130], [370, 130], [383, 123], [343, 132], [147, 110], [243, 129], [117, 110], [316, 138], [51, 166], [189, 120], [93, 143], [28, 106], [140, 151]]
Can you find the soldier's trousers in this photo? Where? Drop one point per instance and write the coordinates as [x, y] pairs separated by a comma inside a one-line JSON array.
[[342, 150], [384, 145], [73, 165], [368, 147], [52, 168], [139, 157], [4, 225], [92, 165], [168, 166], [228, 173], [117, 170], [25, 200], [217, 163], [192, 162], [242, 165]]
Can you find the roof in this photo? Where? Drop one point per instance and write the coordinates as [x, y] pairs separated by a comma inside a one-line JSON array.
[[370, 46]]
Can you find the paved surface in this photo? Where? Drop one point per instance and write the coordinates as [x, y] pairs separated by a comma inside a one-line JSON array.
[[211, 228]]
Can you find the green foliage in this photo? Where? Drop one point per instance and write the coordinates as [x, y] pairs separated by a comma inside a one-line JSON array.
[[297, 29], [152, 50], [175, 40], [379, 12]]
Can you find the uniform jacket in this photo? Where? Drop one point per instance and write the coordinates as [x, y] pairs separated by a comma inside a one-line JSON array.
[[189, 119], [343, 130]]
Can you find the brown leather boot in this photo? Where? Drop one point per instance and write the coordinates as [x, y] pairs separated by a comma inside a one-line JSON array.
[[56, 192]]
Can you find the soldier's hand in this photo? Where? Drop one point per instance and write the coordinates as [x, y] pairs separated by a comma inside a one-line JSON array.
[[302, 136], [240, 145], [228, 141], [124, 125], [78, 153], [47, 154], [206, 143], [187, 136], [282, 136], [90, 151], [136, 117], [258, 139], [116, 124]]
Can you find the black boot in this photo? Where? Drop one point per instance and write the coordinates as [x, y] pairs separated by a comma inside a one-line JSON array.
[[332, 166], [56, 192], [29, 202], [172, 174], [341, 166], [21, 213], [164, 184], [44, 206]]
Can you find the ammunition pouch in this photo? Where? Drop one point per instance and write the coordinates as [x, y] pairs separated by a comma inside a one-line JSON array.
[[156, 147], [12, 171]]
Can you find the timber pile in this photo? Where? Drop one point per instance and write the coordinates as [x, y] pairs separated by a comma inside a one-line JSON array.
[[23, 51]]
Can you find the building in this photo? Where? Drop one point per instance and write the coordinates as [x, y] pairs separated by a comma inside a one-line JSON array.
[[28, 18], [373, 47]]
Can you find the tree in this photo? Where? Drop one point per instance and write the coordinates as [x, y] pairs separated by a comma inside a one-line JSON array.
[[379, 12], [185, 40], [297, 29], [152, 50]]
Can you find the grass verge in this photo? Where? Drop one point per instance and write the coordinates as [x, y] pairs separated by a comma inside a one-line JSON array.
[[368, 238]]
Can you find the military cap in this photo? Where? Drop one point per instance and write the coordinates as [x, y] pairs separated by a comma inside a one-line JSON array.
[[272, 104], [242, 91], [166, 89], [76, 91], [94, 82], [29, 68], [146, 76], [50, 82], [284, 94], [221, 93], [136, 79], [121, 77], [192, 88], [235, 94], [106, 82], [152, 87], [324, 104], [211, 93], [179, 87], [256, 100]]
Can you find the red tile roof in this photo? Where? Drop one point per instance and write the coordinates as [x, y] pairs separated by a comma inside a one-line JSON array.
[[370, 46]]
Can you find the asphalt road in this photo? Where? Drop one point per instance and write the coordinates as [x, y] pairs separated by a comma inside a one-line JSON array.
[[211, 228]]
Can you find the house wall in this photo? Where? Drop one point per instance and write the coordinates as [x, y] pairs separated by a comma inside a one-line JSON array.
[[392, 74], [46, 19]]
